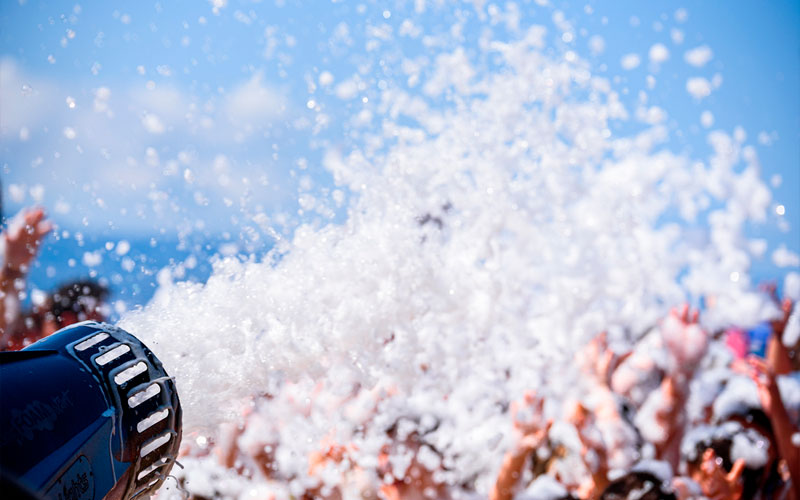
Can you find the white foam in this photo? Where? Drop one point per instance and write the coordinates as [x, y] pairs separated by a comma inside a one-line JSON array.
[[698, 56], [698, 87], [630, 61], [658, 53], [483, 246]]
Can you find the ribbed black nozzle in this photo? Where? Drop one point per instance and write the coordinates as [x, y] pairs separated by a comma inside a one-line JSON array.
[[88, 412]]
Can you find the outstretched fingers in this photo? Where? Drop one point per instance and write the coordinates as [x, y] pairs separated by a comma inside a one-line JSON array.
[[735, 474], [24, 238], [536, 439]]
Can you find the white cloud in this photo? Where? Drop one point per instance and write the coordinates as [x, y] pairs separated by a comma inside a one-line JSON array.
[[101, 98], [26, 101], [168, 103], [254, 102], [119, 137], [153, 124]]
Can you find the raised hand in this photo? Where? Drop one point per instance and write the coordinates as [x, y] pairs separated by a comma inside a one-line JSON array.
[[530, 431], [784, 339], [23, 238], [530, 427], [760, 373], [779, 325], [599, 361], [593, 448], [684, 338], [718, 484]]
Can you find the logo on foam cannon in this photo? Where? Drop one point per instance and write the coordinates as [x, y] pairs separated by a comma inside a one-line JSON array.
[[38, 416]]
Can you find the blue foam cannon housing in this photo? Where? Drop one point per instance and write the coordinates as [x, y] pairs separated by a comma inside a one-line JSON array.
[[86, 413]]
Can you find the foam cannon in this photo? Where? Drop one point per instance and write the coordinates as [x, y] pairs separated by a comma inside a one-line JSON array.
[[86, 413]]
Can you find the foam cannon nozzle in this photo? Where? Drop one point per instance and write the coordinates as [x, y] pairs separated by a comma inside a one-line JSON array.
[[86, 413]]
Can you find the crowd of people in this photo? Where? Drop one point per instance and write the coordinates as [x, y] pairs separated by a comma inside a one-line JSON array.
[[22, 321], [727, 446], [683, 413], [678, 413]]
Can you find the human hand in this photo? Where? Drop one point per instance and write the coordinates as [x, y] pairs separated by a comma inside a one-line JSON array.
[[715, 482], [329, 450], [584, 421], [600, 361], [764, 378], [530, 427], [779, 325], [593, 452], [24, 236], [684, 338], [227, 448]]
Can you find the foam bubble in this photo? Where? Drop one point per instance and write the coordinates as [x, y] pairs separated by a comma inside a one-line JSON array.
[[658, 53], [699, 56], [630, 61], [698, 87]]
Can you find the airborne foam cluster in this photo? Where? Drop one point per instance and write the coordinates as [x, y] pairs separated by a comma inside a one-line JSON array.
[[487, 239]]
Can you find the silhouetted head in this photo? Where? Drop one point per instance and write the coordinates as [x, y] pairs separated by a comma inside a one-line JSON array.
[[733, 440], [639, 485], [77, 301]]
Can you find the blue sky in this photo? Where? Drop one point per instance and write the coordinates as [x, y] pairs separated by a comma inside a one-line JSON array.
[[138, 120]]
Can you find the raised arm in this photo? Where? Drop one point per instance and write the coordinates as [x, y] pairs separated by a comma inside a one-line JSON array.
[[22, 241], [529, 434], [770, 395], [778, 357], [686, 343]]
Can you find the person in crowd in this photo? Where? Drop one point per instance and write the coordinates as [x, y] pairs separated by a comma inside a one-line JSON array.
[[21, 242], [729, 450], [637, 485], [418, 481], [778, 427], [74, 302], [71, 303]]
